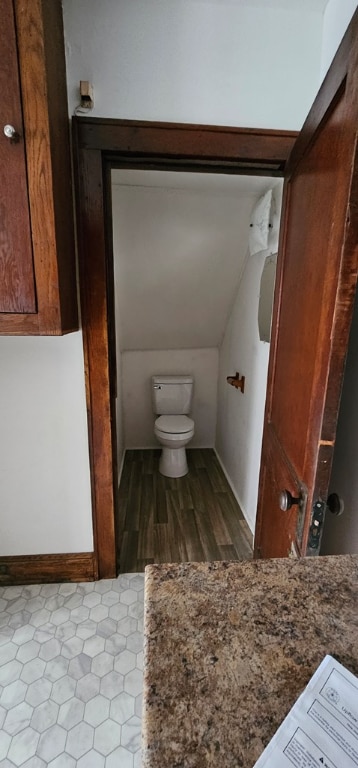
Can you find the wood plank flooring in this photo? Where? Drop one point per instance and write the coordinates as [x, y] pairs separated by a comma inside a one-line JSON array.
[[186, 519]]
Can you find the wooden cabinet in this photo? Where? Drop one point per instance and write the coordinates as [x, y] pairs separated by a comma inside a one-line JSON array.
[[37, 254]]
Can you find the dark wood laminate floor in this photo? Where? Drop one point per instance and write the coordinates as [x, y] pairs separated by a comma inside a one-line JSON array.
[[171, 520]]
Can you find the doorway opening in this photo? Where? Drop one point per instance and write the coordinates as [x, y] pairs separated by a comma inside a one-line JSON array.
[[187, 273], [100, 146]]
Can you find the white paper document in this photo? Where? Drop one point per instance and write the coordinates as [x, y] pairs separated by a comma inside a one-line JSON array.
[[321, 730]]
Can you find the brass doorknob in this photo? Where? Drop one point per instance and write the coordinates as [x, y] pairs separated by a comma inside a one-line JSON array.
[[286, 500]]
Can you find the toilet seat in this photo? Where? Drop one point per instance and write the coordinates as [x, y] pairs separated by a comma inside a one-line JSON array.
[[174, 425]]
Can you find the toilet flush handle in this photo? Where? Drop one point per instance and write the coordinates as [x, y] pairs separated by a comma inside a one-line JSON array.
[[156, 386]]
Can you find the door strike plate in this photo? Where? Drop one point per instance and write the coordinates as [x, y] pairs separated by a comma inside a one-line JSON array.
[[318, 511]]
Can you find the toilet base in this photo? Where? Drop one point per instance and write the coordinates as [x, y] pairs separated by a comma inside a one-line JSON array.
[[173, 463]]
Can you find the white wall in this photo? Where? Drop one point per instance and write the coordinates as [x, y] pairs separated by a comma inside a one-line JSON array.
[[45, 503], [137, 369], [337, 16], [198, 61], [240, 415]]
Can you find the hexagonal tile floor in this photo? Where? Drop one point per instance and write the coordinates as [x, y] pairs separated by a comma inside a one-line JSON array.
[[71, 659]]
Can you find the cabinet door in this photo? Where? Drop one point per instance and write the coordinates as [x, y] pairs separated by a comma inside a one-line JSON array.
[[17, 288]]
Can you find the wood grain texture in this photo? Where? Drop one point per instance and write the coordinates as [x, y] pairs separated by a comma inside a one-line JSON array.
[[36, 569], [314, 298], [41, 59], [17, 287], [199, 524], [100, 145]]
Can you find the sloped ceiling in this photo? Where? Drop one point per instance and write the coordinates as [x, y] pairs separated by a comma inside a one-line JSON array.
[[180, 242]]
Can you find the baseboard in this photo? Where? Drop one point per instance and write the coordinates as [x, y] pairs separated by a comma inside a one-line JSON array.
[[38, 569], [234, 491], [121, 467]]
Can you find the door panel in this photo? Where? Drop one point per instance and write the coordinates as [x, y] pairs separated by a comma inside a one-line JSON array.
[[17, 290], [312, 314]]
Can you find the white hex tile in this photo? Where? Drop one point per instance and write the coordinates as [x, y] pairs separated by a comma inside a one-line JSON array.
[[79, 666], [120, 758], [129, 596], [107, 737], [8, 653], [121, 583], [86, 629], [67, 589], [47, 590], [5, 741], [44, 633], [16, 606], [31, 590], [54, 603], [4, 620], [18, 718], [88, 687], [3, 604], [102, 664], [140, 660], [63, 689], [50, 649], [137, 759], [18, 619], [136, 581], [122, 708], [79, 740], [136, 610], [23, 746], [72, 647], [51, 743], [35, 604], [10, 672], [135, 642], [111, 685], [39, 618], [80, 614], [110, 598], [34, 762], [13, 694], [118, 611], [56, 668], [32, 670], [28, 651], [99, 612], [12, 592], [38, 692], [63, 761], [103, 586], [125, 662], [60, 616], [131, 734], [139, 705], [133, 682], [91, 599], [6, 634], [2, 716], [115, 644], [97, 710], [106, 628], [93, 760], [73, 601], [127, 626], [65, 631], [93, 645], [44, 716], [71, 713]]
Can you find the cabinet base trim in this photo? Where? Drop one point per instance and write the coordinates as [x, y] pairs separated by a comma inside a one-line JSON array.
[[38, 569]]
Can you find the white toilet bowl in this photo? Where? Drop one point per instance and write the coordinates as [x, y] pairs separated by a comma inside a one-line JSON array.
[[173, 433]]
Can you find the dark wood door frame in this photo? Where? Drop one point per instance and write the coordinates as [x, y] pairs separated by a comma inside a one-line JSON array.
[[99, 145]]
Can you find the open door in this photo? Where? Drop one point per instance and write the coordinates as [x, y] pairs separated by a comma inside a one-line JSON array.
[[314, 297]]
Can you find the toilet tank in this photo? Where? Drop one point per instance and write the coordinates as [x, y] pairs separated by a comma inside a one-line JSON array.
[[172, 395]]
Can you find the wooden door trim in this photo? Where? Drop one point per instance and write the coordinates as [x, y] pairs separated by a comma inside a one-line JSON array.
[[100, 144]]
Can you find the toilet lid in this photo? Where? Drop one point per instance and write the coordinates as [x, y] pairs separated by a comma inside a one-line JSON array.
[[174, 424]]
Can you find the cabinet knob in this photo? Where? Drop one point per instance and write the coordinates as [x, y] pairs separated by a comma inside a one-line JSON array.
[[286, 500], [10, 132]]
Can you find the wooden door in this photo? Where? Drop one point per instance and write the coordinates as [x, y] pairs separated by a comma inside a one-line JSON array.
[[317, 274], [17, 289]]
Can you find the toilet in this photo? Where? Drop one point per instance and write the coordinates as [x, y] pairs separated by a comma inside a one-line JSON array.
[[172, 396]]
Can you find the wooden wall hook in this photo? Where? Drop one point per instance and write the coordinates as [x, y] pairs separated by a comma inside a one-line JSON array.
[[236, 381]]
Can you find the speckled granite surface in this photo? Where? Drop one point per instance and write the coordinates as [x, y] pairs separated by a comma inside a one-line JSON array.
[[230, 646]]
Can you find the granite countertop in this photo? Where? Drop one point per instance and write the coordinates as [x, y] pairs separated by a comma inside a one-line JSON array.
[[230, 646]]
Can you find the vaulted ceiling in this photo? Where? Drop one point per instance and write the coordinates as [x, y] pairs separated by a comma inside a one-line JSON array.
[[180, 243]]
